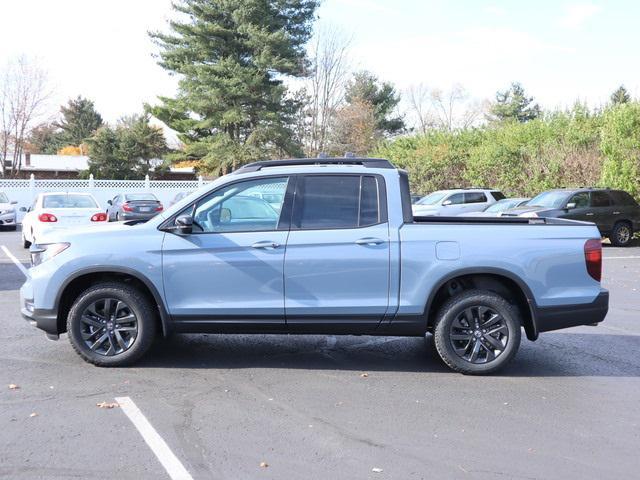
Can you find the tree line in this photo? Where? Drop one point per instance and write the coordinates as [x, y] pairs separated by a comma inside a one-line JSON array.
[[257, 79]]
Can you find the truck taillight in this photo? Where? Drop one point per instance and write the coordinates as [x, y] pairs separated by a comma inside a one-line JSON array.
[[593, 258], [126, 207], [47, 217], [99, 217]]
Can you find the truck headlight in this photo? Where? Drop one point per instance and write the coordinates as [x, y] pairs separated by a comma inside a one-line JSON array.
[[46, 251]]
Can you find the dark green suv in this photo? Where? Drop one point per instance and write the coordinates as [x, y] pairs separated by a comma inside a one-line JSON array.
[[615, 212]]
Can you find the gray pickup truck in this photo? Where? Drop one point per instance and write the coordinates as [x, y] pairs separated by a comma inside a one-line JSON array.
[[315, 246]]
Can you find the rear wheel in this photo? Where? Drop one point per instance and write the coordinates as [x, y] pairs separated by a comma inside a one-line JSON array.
[[111, 325], [477, 332], [25, 243], [621, 234]]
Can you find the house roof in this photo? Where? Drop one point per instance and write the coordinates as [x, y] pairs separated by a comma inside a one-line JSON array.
[[73, 163]]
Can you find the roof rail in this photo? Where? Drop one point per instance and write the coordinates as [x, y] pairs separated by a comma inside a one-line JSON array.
[[365, 162]]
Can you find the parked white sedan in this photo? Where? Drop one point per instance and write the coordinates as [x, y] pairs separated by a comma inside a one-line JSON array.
[[52, 211]]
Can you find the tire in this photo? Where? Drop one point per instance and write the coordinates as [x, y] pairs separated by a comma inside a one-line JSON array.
[[25, 243], [621, 235], [457, 340], [124, 302], [117, 216]]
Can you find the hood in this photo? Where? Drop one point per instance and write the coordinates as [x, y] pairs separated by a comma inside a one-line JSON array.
[[6, 206], [104, 231], [513, 212]]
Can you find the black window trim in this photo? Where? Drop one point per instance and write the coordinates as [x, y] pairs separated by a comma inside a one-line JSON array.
[[382, 201]]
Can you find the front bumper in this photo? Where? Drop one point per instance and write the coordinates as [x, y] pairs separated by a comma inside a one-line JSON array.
[[567, 316], [8, 219], [44, 319]]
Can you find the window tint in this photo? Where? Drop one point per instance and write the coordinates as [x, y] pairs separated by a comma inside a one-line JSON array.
[[239, 207], [600, 199], [337, 201], [622, 198], [134, 197], [456, 199], [474, 197], [580, 199], [3, 198], [498, 195]]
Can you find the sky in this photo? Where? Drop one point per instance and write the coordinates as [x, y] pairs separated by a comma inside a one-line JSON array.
[[561, 51]]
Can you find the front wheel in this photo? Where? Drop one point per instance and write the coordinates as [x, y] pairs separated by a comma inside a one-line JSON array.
[[477, 332], [25, 243], [111, 325]]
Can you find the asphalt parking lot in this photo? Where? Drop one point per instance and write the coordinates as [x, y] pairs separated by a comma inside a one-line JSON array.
[[294, 407]]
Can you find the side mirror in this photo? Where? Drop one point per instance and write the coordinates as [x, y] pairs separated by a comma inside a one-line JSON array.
[[109, 202], [22, 209], [446, 202], [571, 205], [14, 202], [184, 224]]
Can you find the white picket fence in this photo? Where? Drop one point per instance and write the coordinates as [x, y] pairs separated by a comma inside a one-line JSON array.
[[25, 191]]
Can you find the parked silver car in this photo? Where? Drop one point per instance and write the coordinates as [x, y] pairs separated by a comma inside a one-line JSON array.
[[133, 206], [498, 208], [7, 212]]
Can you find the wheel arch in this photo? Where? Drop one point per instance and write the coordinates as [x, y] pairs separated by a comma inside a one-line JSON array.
[[83, 279], [490, 278]]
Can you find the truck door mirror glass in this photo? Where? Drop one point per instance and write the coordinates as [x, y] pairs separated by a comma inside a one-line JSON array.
[[184, 224], [571, 205]]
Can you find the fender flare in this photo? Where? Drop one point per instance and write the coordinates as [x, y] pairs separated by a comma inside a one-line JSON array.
[[165, 318], [532, 333]]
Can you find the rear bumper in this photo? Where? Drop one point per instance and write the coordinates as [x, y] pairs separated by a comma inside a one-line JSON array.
[[566, 316], [137, 216]]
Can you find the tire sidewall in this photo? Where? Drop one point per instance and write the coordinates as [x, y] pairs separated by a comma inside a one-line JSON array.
[[453, 307], [135, 301]]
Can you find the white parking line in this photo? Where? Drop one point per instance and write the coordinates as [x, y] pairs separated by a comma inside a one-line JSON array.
[[14, 259], [621, 258], [169, 461]]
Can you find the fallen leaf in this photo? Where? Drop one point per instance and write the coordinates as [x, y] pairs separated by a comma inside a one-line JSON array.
[[34, 414], [13, 386], [364, 375], [264, 464], [107, 405], [376, 470]]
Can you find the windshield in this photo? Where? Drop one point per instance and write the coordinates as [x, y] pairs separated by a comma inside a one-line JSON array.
[[133, 197], [432, 198], [502, 205], [3, 198], [68, 201], [551, 199]]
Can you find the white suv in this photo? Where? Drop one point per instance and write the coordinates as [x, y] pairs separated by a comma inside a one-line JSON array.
[[450, 203]]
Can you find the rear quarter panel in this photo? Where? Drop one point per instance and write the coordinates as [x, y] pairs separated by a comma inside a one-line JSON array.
[[548, 259]]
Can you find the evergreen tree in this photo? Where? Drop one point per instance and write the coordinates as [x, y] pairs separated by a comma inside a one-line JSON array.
[[620, 96], [44, 139], [126, 151], [383, 98], [513, 105], [79, 121], [231, 56]]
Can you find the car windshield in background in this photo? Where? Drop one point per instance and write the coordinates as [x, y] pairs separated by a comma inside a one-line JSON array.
[[502, 205], [432, 198], [140, 197], [553, 199], [68, 201], [3, 198]]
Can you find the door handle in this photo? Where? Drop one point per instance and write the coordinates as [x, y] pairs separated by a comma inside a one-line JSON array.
[[265, 244], [369, 241], [616, 213], [589, 214]]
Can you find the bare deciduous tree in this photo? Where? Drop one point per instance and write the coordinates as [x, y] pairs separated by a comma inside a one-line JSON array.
[[445, 110], [324, 91], [23, 100]]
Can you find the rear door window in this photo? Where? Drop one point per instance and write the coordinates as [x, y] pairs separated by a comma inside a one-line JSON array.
[[498, 195], [622, 198], [475, 197], [337, 201], [600, 199]]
